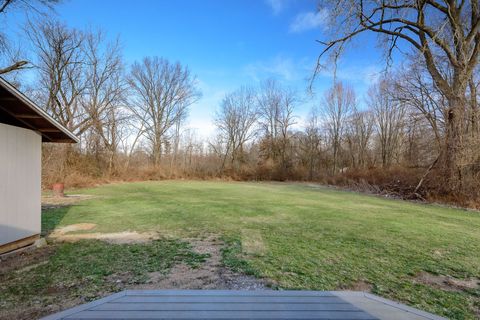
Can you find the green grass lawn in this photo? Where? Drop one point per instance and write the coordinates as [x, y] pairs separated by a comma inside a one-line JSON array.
[[304, 237]]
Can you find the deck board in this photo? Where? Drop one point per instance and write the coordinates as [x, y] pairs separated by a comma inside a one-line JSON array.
[[344, 315], [223, 299], [224, 304], [225, 307]]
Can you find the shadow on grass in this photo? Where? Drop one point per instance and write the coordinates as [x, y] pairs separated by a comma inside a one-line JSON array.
[[52, 217]]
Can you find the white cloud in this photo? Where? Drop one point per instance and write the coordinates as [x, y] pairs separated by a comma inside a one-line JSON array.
[[277, 6], [279, 67], [309, 20]]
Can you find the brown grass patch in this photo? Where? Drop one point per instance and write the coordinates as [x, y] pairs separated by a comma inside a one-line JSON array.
[[126, 237], [447, 283], [52, 202], [252, 242]]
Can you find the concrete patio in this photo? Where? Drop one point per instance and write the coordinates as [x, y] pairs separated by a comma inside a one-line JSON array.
[[226, 304]]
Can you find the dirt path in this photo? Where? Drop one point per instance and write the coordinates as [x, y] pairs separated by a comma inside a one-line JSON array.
[[209, 275]]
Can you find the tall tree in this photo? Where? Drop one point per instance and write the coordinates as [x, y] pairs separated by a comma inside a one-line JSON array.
[[104, 93], [338, 103], [389, 119], [235, 120], [162, 92], [310, 143], [359, 132], [276, 115]]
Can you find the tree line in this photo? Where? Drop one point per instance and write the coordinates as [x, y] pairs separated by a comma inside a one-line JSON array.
[[400, 123]]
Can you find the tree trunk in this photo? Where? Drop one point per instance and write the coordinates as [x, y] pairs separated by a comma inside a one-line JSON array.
[[111, 160], [453, 144], [157, 155], [335, 152]]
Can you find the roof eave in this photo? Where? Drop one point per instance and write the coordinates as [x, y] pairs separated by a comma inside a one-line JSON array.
[[24, 99]]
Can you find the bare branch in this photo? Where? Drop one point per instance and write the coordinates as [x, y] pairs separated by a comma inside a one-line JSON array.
[[19, 65]]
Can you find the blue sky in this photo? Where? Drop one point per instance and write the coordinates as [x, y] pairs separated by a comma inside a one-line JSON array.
[[227, 44]]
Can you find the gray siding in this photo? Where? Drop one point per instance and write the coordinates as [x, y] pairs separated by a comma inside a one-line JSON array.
[[20, 186]]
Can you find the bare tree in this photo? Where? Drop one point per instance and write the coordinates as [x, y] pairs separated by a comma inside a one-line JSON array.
[[338, 103], [359, 132], [276, 111], [162, 93], [61, 66], [446, 35], [389, 119], [413, 89], [235, 120], [104, 94], [310, 143], [176, 140], [131, 137]]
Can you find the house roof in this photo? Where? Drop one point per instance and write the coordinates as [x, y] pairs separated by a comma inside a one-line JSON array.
[[18, 110]]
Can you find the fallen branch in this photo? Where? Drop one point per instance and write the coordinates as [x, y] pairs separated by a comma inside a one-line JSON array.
[[415, 192]]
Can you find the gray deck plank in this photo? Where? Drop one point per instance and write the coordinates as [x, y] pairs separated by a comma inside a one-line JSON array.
[[360, 315], [225, 307], [224, 304], [249, 293], [226, 298], [83, 307]]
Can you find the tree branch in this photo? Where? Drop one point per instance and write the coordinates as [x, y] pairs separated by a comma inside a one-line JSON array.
[[16, 66], [5, 5]]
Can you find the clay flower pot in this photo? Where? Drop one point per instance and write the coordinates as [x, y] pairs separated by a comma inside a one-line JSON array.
[[57, 189]]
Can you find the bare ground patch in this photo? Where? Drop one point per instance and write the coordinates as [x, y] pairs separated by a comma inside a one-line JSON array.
[[359, 285], [35, 309], [52, 202], [448, 283], [73, 228], [125, 237], [211, 274], [23, 259]]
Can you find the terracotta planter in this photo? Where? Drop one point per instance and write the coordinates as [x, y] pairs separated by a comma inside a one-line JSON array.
[[57, 189]]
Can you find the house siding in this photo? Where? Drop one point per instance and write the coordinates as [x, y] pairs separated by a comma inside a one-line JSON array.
[[20, 183]]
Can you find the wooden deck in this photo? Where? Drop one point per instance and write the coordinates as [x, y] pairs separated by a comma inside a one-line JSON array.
[[218, 304]]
